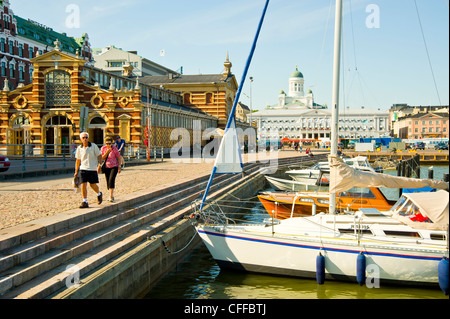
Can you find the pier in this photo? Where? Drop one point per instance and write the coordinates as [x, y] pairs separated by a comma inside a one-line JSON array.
[[118, 250], [426, 157]]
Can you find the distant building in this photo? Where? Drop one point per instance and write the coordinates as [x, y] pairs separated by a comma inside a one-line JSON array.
[[298, 117], [128, 63], [417, 122], [23, 39], [242, 112], [422, 125]]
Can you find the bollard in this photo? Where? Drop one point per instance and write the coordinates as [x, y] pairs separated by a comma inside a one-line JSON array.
[[162, 153]]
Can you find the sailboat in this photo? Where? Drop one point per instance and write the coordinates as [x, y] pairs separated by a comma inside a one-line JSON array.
[[405, 245]]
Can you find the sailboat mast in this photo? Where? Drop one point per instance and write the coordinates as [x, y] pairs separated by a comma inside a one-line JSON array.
[[236, 99], [335, 96]]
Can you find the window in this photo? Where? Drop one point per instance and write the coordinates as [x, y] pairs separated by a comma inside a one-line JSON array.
[[58, 120], [430, 130], [11, 47], [11, 70], [395, 233], [57, 89], [21, 73], [21, 50], [358, 192], [30, 53], [3, 72], [21, 120], [3, 45], [208, 98], [115, 64]]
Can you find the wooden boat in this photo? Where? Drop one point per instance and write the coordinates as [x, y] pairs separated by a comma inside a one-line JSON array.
[[280, 205]]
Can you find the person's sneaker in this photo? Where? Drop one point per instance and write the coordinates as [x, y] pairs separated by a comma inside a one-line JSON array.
[[84, 205], [100, 198]]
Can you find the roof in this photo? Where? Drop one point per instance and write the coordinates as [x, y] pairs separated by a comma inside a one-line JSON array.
[[45, 35], [296, 73], [420, 115], [181, 79], [245, 107]]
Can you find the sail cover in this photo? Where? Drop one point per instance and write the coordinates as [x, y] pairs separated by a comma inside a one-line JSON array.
[[228, 158], [344, 177], [433, 205]]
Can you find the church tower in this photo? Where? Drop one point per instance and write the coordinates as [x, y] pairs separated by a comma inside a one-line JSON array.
[[227, 64], [296, 83]]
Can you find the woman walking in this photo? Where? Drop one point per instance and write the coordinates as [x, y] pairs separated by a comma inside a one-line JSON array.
[[112, 159]]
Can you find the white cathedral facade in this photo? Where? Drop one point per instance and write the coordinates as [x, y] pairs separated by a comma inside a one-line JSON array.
[[298, 117]]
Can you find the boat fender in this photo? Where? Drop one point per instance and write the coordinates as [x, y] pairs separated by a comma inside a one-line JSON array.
[[361, 269], [443, 274], [320, 269]]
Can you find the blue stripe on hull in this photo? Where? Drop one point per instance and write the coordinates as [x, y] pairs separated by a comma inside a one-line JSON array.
[[319, 248]]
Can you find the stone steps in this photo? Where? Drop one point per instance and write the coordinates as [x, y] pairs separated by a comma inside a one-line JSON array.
[[33, 267]]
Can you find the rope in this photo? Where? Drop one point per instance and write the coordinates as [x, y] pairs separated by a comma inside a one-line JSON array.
[[178, 251]]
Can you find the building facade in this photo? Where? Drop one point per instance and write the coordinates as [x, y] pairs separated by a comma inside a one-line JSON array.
[[210, 93], [23, 39], [416, 122], [67, 97], [127, 63], [422, 125]]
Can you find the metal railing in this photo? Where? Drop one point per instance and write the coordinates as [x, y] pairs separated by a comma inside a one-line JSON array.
[[30, 157]]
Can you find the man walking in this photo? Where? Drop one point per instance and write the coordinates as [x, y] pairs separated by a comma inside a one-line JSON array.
[[88, 163]]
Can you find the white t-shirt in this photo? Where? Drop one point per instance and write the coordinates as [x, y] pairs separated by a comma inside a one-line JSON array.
[[88, 156]]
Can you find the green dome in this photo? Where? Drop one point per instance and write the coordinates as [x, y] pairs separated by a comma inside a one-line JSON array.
[[296, 73]]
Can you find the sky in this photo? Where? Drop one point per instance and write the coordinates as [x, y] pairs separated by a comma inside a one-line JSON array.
[[392, 51]]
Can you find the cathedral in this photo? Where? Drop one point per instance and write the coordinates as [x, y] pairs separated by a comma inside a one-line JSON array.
[[296, 98]]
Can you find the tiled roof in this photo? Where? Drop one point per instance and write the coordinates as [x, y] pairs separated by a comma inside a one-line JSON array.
[[45, 35], [181, 79]]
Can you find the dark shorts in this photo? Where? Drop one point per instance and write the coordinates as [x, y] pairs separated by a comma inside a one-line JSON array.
[[90, 177]]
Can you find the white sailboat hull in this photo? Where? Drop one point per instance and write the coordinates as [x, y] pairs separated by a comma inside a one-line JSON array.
[[256, 250]]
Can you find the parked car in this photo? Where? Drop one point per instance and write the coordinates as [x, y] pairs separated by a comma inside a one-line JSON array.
[[419, 146], [4, 163], [441, 146]]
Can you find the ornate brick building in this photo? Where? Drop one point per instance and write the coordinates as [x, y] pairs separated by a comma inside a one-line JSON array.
[[65, 98]]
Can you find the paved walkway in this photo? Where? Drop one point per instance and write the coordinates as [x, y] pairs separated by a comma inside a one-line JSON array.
[[24, 200]]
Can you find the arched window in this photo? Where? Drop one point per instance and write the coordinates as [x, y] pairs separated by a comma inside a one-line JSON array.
[[57, 89], [21, 120]]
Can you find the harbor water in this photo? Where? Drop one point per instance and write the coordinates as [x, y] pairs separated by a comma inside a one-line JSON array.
[[199, 277]]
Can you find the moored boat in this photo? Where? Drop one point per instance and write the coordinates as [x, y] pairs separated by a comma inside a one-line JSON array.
[[394, 251], [286, 205], [310, 175]]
